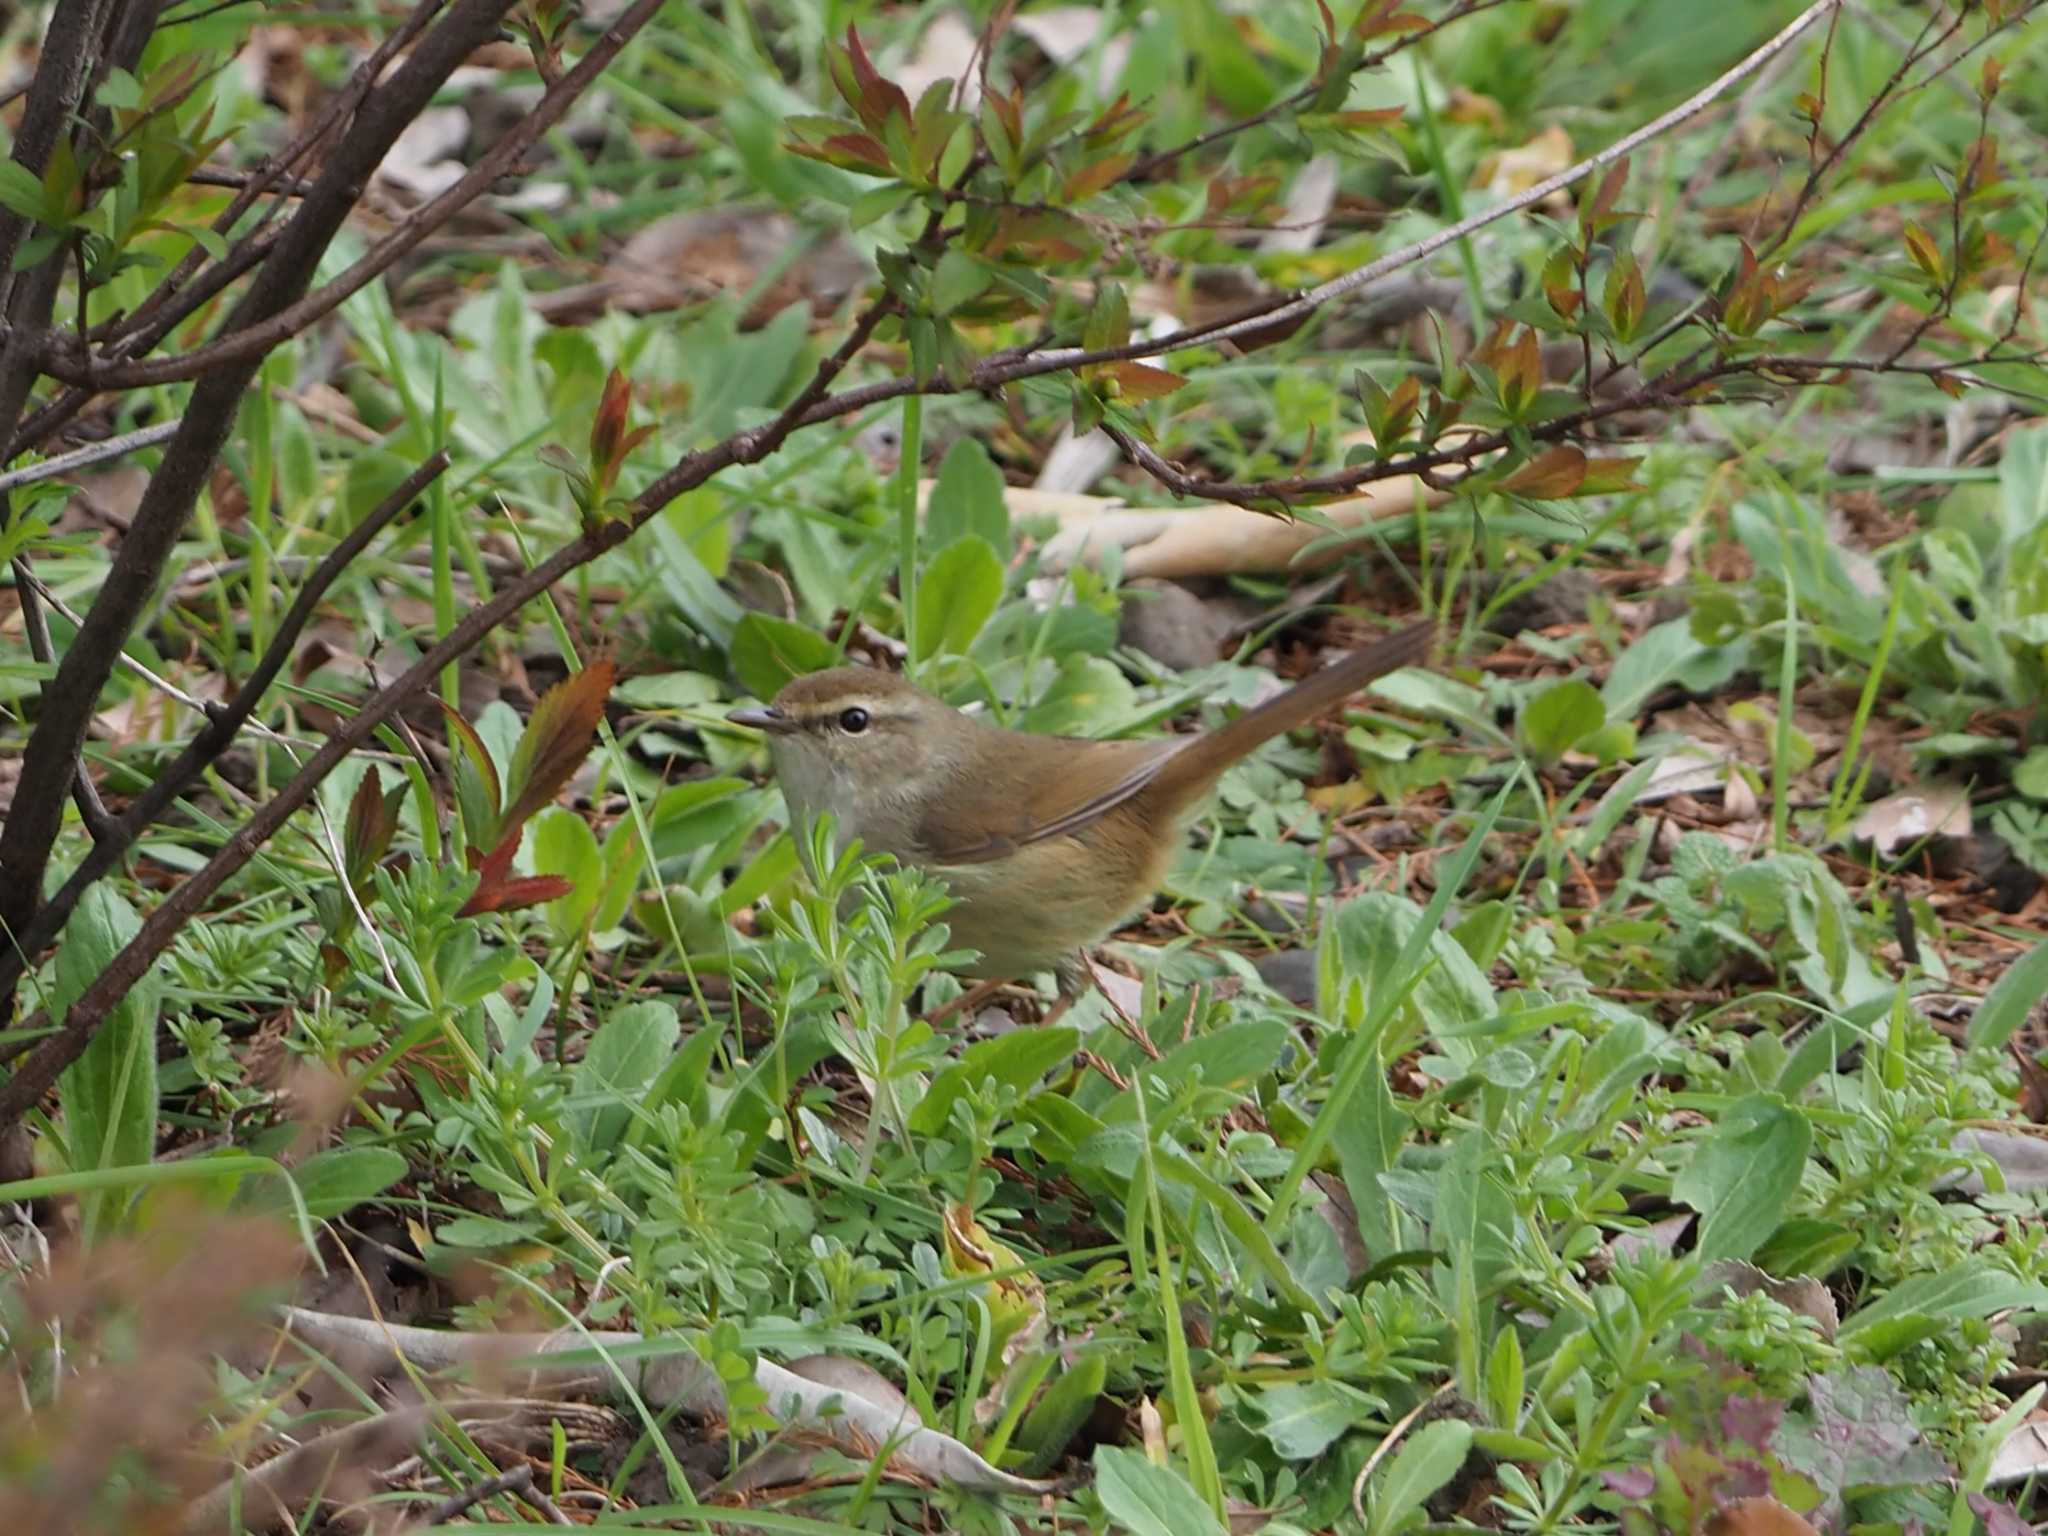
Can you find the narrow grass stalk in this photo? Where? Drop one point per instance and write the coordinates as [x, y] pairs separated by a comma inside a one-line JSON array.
[[1850, 778], [906, 515], [1781, 745]]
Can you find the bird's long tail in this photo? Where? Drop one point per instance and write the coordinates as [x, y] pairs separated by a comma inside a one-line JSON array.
[[1189, 774]]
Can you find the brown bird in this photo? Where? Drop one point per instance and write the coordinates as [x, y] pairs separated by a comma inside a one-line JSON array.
[[1048, 843]]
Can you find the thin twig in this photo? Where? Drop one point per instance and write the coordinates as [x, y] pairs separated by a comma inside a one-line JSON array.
[[90, 454], [224, 722], [253, 341]]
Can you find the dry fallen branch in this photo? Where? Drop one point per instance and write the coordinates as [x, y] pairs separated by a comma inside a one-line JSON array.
[[860, 1425]]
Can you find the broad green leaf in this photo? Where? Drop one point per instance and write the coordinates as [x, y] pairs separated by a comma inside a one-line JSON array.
[[1560, 716], [1427, 1460], [1062, 1408], [1743, 1175], [110, 1092], [767, 652], [958, 279], [1149, 1500], [335, 1182], [563, 844], [1088, 696], [626, 1054], [1451, 997], [22, 192], [1301, 1419], [1974, 1288], [957, 593], [968, 498]]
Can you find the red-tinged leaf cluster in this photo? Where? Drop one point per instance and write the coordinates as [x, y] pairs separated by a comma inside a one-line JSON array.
[[554, 744], [1512, 358], [610, 441], [1759, 295]]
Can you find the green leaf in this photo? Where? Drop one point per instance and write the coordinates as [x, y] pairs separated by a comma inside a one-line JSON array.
[[2006, 1006], [767, 652], [623, 1057], [2030, 777], [1558, 717], [110, 1092], [22, 193], [1065, 1405], [1743, 1175], [1017, 1060], [1301, 1419], [1504, 1379], [958, 279], [1431, 1457], [1149, 1500], [1088, 695], [564, 845], [1973, 1288], [956, 595], [335, 1182], [968, 498]]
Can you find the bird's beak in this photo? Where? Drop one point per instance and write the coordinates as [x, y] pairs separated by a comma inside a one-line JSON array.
[[765, 717]]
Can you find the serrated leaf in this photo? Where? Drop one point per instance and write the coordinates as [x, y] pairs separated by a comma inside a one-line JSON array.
[[958, 279], [557, 738]]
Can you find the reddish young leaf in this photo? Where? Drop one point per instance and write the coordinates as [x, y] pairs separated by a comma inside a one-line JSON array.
[[555, 741], [608, 426], [878, 99], [1136, 381], [1364, 117], [1091, 179], [512, 895], [848, 151], [1552, 475], [1383, 17]]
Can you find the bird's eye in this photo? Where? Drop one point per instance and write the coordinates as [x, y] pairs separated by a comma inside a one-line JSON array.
[[853, 721]]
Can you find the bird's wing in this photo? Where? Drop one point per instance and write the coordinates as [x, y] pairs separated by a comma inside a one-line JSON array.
[[1048, 796]]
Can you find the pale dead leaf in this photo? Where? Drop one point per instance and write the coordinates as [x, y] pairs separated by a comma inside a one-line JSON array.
[[1064, 33], [1802, 1293], [946, 51], [1306, 210], [1896, 821], [422, 160], [2023, 1454], [1075, 463], [1510, 172]]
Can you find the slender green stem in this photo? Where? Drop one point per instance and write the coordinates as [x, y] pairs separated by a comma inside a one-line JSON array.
[[906, 515]]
